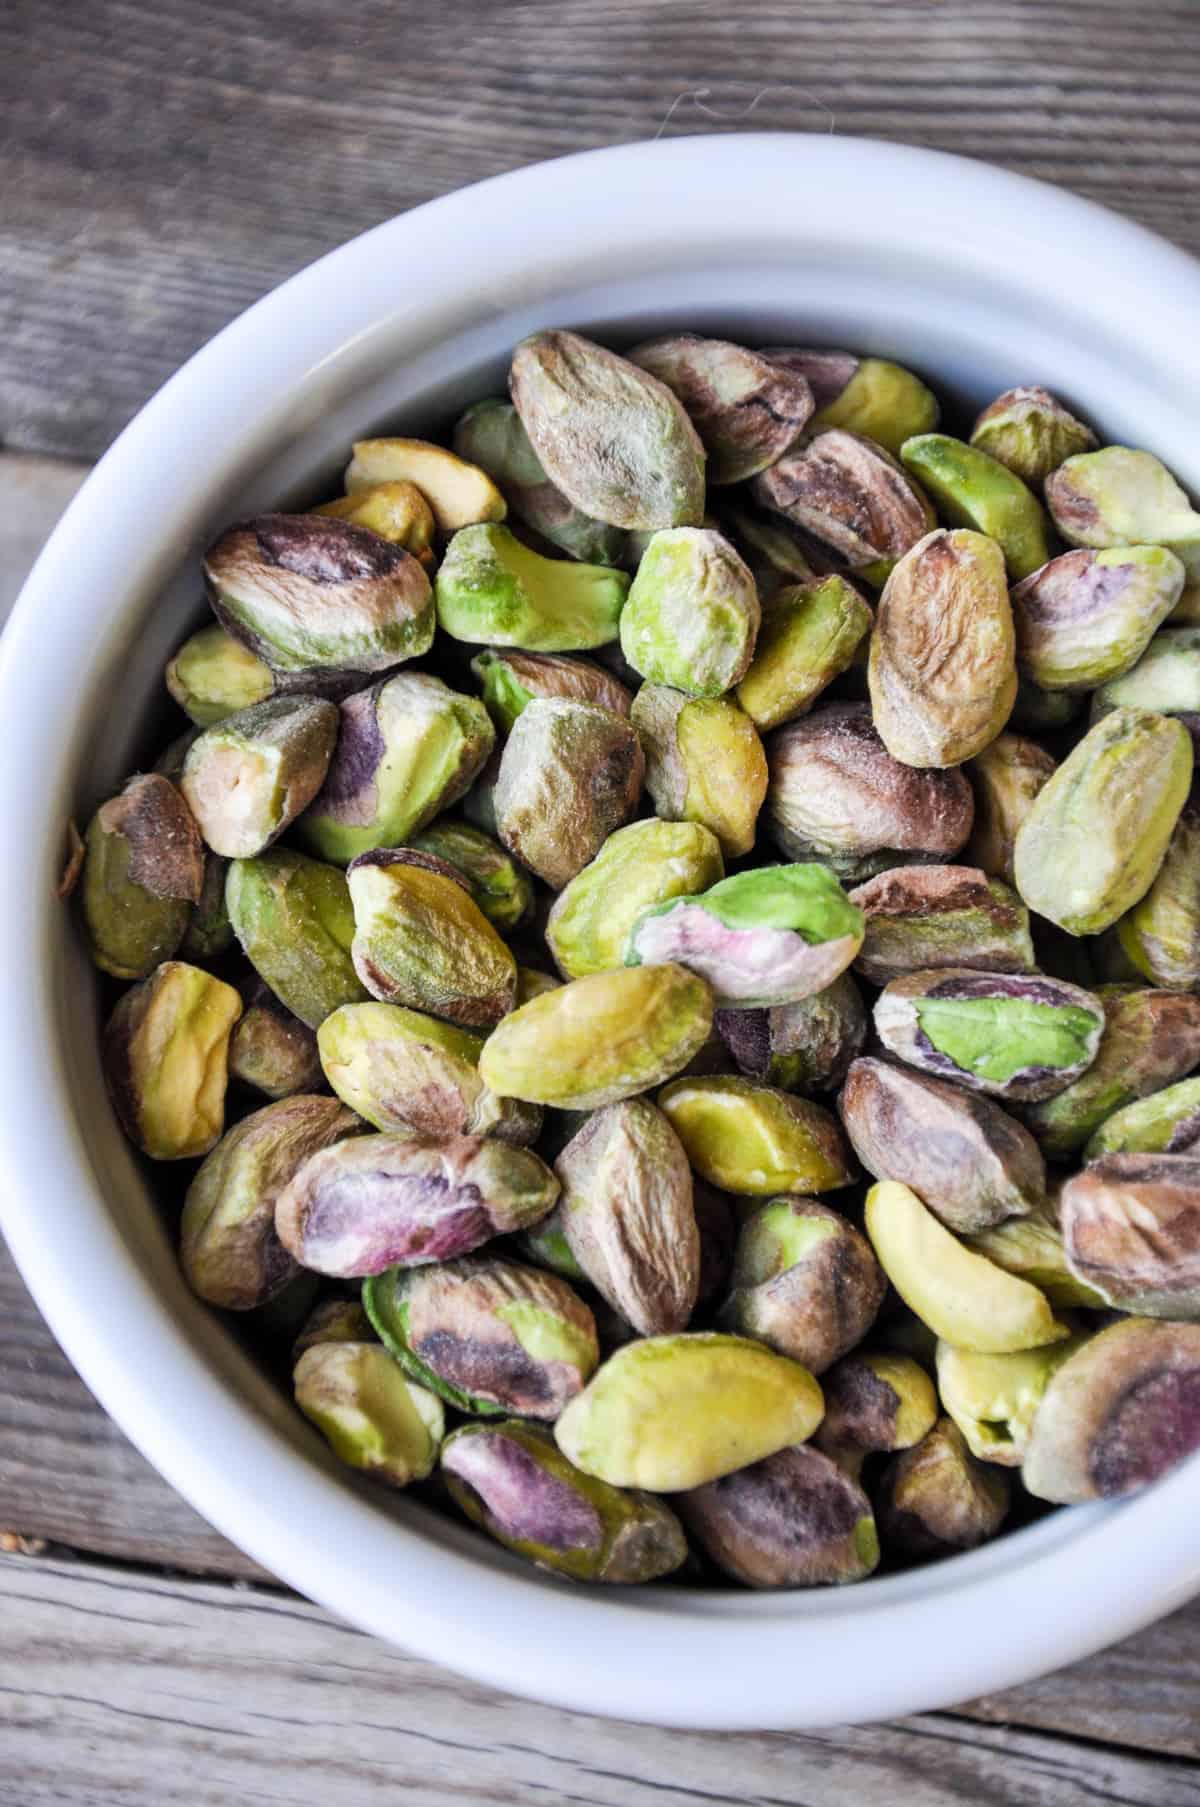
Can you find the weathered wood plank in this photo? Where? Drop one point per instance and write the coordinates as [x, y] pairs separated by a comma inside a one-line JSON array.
[[124, 1686]]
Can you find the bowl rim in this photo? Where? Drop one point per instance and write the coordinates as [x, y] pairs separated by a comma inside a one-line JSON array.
[[900, 1644]]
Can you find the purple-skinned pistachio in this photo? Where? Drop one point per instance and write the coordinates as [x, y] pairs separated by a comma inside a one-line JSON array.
[[805, 1282], [569, 775], [871, 396], [248, 777], [1087, 617], [1119, 496], [853, 498], [794, 1519], [937, 1498], [1131, 1230], [143, 871], [925, 917], [1030, 431], [800, 1047], [746, 408]]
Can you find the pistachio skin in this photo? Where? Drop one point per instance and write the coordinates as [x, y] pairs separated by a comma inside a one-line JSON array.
[[164, 1054], [492, 588], [371, 1415], [513, 1481], [1005, 777], [1131, 1230], [459, 493], [792, 1520], [490, 435], [936, 1498], [852, 498], [704, 763], [875, 1401], [810, 634], [925, 917], [1087, 617], [512, 678], [213, 675], [1160, 936], [692, 615], [639, 866], [1122, 497], [805, 1282], [754, 1139], [1167, 1122], [870, 396], [747, 409], [971, 489], [569, 775], [804, 1046], [295, 923], [993, 1398], [247, 778], [143, 871], [1166, 679]]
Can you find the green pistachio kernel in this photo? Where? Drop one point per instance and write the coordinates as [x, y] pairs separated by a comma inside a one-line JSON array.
[[756, 1140], [971, 489], [1122, 497], [809, 636], [704, 763], [502, 890], [643, 864], [870, 396], [1030, 431], [1165, 679], [1160, 936], [692, 616], [1168, 1122], [372, 1415], [493, 589], [511, 680], [1087, 617], [295, 922], [213, 675]]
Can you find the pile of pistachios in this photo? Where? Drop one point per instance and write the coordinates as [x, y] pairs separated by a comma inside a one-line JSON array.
[[523, 1009]]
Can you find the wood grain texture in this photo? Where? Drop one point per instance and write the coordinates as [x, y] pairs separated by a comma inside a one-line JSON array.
[[33, 493], [164, 168]]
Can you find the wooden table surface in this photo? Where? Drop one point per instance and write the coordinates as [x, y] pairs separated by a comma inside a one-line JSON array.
[[163, 167]]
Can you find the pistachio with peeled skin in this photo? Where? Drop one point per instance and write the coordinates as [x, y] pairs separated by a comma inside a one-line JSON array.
[[795, 1519], [704, 763], [970, 1162], [501, 888], [627, 1215], [805, 1282], [514, 1481], [247, 778], [759, 938], [209, 932], [309, 594], [993, 1398], [1167, 1122], [491, 435], [1030, 431], [511, 679], [420, 940], [213, 675], [599, 1039], [1131, 1230], [643, 864], [1121, 1413], [810, 634], [459, 493], [747, 409], [1160, 936], [492, 588], [971, 489], [295, 922], [371, 1414], [143, 871], [1166, 679], [851, 497], [936, 1498], [228, 1248], [942, 668], [669, 1413], [804, 1046], [1031, 1247], [1122, 497], [396, 510], [569, 775], [488, 1336], [871, 396], [271, 1050], [164, 1059], [1006, 777], [926, 917], [610, 436], [754, 1139], [384, 1201], [692, 615], [1087, 617], [333, 1321], [876, 1401]]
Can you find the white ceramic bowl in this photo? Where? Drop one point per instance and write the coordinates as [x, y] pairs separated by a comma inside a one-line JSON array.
[[978, 278]]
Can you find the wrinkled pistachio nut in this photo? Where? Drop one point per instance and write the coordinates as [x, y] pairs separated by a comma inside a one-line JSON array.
[[514, 1481], [692, 616], [850, 498], [492, 588], [491, 435], [143, 871], [794, 1519], [310, 594], [753, 1139], [213, 675], [295, 922], [876, 1401], [1166, 679], [1017, 1037], [871, 396], [704, 763], [747, 409], [488, 1336], [164, 1058], [942, 670], [627, 1215], [1030, 431], [459, 493], [396, 511], [408, 747], [1151, 1039], [228, 1248], [970, 1162], [600, 1039], [1087, 617], [271, 1050], [1160, 936], [1006, 777], [1131, 1230], [333, 1321], [1038, 711], [670, 1413], [836, 793], [925, 917], [760, 938], [961, 1295], [993, 1398], [804, 1282], [972, 489], [642, 865], [810, 634], [936, 1498], [1097, 832], [769, 546], [1032, 1248], [209, 932], [248, 777], [385, 1201], [569, 775], [1168, 1122], [800, 1047], [614, 439], [420, 940], [1122, 1412], [511, 680], [370, 1413], [498, 885], [1120, 497]]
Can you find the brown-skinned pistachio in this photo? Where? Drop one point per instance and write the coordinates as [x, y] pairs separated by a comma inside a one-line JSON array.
[[810, 634], [754, 1139], [971, 489], [746, 408], [1087, 617], [396, 510], [1031, 432], [1122, 1412], [247, 778], [871, 396], [209, 932], [925, 917], [1166, 679], [942, 672], [569, 775], [692, 615], [704, 763], [143, 872], [270, 1050], [295, 923], [1167, 1122], [1122, 497], [511, 679], [501, 888], [641, 865], [614, 439], [795, 1519], [851, 496], [627, 1215], [970, 1162], [1006, 777], [459, 493], [371, 1414], [164, 1057], [491, 435], [228, 1248], [487, 1335], [384, 1201], [333, 1321], [421, 940], [936, 1498], [805, 1282], [213, 675], [1131, 1229], [876, 1402], [1160, 936], [307, 593], [514, 1481], [993, 1398], [493, 589], [800, 1047]]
